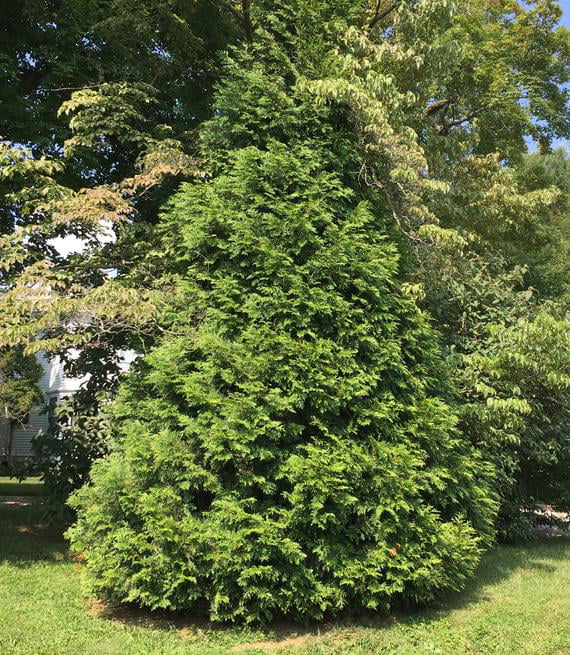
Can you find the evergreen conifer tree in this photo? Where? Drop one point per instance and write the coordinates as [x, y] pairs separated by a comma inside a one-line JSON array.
[[290, 447]]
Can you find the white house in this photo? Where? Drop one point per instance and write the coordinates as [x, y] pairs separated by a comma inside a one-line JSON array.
[[55, 385], [16, 440]]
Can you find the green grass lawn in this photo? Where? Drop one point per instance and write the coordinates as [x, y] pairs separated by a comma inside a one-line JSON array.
[[28, 487], [518, 604]]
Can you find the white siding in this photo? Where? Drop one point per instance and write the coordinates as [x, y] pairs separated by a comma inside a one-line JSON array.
[[53, 384]]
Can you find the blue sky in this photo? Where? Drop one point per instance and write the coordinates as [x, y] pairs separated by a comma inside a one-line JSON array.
[[565, 4]]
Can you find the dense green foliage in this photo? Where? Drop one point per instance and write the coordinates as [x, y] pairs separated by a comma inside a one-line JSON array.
[[291, 445], [510, 352], [498, 290], [546, 250], [529, 363], [51, 48], [77, 434], [353, 306]]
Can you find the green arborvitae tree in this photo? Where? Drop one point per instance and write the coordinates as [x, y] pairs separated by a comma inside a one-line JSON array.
[[290, 446]]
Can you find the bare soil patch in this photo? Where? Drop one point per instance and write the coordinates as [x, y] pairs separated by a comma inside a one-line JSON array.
[[270, 645]]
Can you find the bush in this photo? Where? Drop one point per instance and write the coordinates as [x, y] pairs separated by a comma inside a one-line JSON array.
[[290, 452], [290, 447]]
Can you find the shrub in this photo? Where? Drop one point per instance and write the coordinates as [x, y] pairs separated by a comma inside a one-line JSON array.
[[291, 445]]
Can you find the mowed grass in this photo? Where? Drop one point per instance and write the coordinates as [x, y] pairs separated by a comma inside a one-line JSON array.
[[518, 604], [28, 487]]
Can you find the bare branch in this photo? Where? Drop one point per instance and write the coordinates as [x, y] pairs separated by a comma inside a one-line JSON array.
[[380, 15], [247, 24], [228, 5], [75, 88], [437, 106], [444, 127], [243, 17]]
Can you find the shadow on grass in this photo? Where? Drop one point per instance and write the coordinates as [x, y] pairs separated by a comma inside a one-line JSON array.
[[25, 536], [497, 566], [274, 636]]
